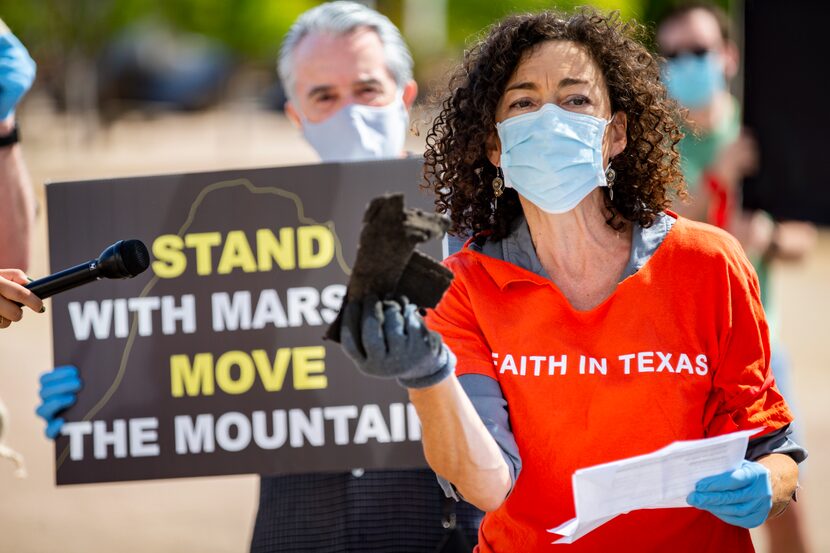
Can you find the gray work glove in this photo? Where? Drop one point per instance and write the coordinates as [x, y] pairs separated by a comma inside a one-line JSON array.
[[389, 339]]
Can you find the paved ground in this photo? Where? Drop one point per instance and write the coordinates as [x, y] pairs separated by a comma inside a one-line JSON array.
[[216, 514]]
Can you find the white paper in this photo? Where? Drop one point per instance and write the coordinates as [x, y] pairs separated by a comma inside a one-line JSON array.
[[656, 480]]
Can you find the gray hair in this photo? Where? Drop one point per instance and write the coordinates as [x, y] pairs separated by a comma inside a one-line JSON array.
[[341, 18]]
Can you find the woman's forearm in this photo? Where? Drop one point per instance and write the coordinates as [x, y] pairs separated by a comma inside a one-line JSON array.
[[784, 476], [17, 205], [458, 446]]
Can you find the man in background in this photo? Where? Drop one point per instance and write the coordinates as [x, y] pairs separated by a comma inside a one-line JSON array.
[[347, 74], [716, 155]]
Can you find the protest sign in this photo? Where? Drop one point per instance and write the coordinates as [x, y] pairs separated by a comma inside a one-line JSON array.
[[212, 361]]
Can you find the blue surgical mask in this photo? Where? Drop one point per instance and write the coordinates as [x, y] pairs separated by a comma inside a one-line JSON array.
[[693, 80], [552, 157], [357, 132]]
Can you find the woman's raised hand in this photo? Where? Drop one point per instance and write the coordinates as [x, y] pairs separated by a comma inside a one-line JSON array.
[[389, 339]]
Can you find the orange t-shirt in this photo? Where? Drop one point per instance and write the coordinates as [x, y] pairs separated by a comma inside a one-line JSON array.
[[679, 351]]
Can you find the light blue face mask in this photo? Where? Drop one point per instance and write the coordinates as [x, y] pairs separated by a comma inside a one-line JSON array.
[[552, 157], [357, 132], [694, 80]]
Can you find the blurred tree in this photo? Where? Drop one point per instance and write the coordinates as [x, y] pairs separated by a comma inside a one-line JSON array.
[[66, 37], [467, 18], [253, 28]]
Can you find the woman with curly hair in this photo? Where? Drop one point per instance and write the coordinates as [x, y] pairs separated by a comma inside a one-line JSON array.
[[588, 322]]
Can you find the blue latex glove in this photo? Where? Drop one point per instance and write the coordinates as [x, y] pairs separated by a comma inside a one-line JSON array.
[[394, 343], [17, 73], [58, 390], [742, 497]]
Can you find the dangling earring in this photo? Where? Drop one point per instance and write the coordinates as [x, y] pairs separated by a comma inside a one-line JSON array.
[[610, 175], [498, 187]]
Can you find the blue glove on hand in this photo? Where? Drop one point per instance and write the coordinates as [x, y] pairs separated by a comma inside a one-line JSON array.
[[58, 390], [742, 497], [17, 73], [394, 343]]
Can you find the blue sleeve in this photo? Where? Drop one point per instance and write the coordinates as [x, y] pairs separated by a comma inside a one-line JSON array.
[[488, 400], [776, 442], [452, 244]]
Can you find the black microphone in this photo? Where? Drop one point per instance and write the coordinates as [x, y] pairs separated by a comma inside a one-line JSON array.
[[124, 259]]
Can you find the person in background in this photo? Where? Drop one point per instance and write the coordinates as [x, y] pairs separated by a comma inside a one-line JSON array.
[[348, 77], [701, 58], [17, 199]]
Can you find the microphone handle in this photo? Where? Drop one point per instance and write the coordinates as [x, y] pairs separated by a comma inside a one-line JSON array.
[[64, 280]]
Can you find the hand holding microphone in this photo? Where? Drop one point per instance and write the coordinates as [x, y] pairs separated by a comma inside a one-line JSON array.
[[13, 295], [124, 259]]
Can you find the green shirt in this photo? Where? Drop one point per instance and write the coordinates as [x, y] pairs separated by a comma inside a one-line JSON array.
[[699, 152]]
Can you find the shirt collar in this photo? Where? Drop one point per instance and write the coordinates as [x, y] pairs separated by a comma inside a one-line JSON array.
[[511, 259], [514, 259]]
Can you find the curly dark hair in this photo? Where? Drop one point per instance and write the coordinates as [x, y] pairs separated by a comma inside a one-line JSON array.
[[457, 169]]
